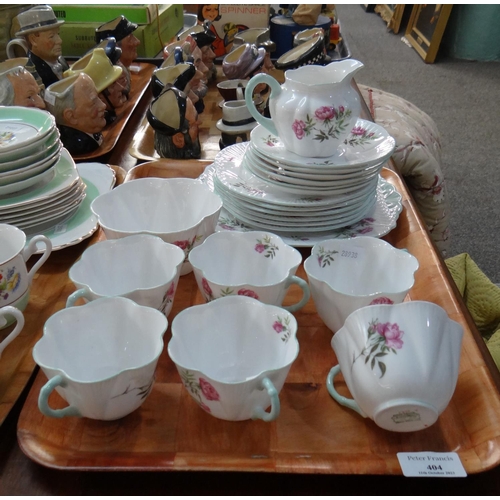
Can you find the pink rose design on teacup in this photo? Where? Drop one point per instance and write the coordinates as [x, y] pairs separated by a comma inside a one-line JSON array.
[[391, 333], [208, 390], [381, 300], [248, 293]]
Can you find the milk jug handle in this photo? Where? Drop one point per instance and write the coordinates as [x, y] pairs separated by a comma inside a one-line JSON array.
[[275, 92]]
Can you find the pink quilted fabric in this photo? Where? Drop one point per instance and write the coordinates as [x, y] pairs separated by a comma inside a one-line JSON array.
[[417, 158]]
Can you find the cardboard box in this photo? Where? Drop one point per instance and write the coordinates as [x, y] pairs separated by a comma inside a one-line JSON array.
[[233, 19], [78, 38], [95, 13]]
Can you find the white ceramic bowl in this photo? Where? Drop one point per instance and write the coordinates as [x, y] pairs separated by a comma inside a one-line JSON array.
[[400, 363], [257, 264], [233, 356], [346, 274], [180, 211], [100, 357], [141, 267]]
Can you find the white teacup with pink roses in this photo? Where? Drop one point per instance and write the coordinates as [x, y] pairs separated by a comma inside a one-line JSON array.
[[233, 356], [256, 264], [400, 363], [346, 274]]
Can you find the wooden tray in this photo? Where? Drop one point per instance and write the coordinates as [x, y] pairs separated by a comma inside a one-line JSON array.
[[139, 84], [313, 434]]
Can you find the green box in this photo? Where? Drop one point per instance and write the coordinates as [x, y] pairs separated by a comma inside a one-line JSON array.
[[92, 13], [78, 38]]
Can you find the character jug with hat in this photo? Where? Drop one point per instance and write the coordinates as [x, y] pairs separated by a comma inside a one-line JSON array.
[[39, 33]]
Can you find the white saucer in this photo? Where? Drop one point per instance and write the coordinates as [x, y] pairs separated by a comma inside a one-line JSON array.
[[99, 179], [377, 222]]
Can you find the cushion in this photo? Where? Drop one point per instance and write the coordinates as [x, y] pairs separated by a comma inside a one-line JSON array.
[[417, 158], [482, 298]]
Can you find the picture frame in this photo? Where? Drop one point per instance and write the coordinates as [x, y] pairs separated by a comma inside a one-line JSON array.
[[426, 28], [392, 14]]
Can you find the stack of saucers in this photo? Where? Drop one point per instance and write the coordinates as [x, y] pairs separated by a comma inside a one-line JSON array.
[[265, 186], [39, 183], [29, 148]]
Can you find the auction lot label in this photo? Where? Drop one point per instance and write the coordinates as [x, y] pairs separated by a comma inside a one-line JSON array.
[[431, 464]]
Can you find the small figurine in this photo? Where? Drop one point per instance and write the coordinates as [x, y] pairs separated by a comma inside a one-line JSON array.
[[40, 28], [78, 111], [246, 61], [204, 38], [18, 87], [174, 119], [122, 30], [236, 123], [188, 51], [105, 76], [179, 76], [261, 37]]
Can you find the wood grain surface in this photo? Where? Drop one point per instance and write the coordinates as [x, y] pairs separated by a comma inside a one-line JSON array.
[[313, 434]]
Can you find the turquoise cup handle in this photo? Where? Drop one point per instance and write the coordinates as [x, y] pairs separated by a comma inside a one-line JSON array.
[[305, 296], [350, 403], [275, 92], [80, 293], [43, 400], [260, 413]]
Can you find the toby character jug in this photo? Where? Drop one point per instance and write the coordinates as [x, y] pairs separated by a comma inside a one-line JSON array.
[[314, 110]]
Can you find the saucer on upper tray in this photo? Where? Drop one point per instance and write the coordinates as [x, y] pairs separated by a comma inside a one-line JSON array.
[[367, 144]]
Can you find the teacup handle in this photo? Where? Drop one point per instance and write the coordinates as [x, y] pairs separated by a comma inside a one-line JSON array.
[[18, 315], [32, 248], [295, 280], [80, 293], [260, 413], [239, 94], [43, 400], [350, 403], [275, 92]]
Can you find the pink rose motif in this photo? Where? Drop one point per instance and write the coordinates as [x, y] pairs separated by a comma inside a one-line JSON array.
[[208, 390], [248, 293], [171, 290], [392, 334], [381, 300], [365, 230], [341, 110], [260, 247], [325, 113], [358, 131], [182, 244], [278, 327], [298, 127], [206, 286]]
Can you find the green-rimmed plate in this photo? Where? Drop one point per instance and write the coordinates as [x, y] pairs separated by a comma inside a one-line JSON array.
[[99, 179], [65, 176], [22, 129]]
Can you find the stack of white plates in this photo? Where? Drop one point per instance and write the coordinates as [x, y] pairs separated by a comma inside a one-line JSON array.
[[265, 186], [47, 203], [29, 148]]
